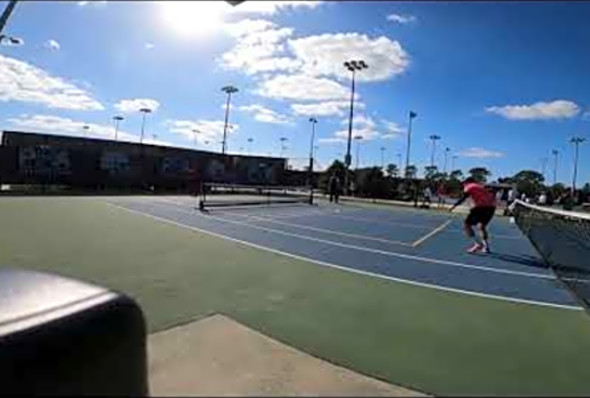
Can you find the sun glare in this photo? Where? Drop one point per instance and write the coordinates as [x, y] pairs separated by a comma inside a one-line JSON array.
[[193, 18]]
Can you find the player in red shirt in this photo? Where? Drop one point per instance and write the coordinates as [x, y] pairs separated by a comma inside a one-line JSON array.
[[481, 213]]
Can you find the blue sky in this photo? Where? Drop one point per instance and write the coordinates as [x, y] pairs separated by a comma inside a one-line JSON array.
[[502, 83]]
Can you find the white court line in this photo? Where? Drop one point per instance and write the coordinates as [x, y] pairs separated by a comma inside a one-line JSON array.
[[371, 250], [322, 230], [346, 269], [431, 233], [414, 225], [332, 213]]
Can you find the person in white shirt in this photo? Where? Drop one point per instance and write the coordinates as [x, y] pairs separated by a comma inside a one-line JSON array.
[[543, 199]]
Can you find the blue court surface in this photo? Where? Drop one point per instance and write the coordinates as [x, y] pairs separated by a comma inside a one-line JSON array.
[[420, 247]]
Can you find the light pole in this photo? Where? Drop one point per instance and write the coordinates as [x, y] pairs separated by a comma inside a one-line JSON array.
[[313, 122], [434, 138], [229, 90], [196, 133], [250, 145], [358, 139], [351, 66], [117, 119], [555, 154], [282, 140], [4, 18], [382, 158], [145, 111], [447, 150], [576, 141], [453, 158], [544, 161], [411, 116]]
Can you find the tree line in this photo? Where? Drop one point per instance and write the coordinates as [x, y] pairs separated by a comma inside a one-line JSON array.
[[373, 182]]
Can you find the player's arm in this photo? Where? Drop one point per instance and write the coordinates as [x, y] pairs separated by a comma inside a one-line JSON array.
[[462, 199]]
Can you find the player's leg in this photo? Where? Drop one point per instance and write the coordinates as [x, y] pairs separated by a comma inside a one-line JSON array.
[[470, 221], [486, 216]]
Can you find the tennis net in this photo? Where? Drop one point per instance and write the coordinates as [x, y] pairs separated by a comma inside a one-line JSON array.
[[562, 238], [231, 195]]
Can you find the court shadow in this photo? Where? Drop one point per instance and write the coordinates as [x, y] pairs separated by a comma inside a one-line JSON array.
[[529, 261]]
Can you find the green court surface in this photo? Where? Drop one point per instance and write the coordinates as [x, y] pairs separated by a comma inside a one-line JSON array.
[[442, 343]]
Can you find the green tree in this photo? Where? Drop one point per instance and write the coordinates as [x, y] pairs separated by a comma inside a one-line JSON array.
[[480, 174], [430, 172], [506, 180], [370, 182], [411, 171], [392, 170], [456, 175], [558, 189], [528, 181]]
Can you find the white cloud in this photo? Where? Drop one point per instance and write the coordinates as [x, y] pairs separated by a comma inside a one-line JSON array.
[[52, 45], [393, 130], [265, 115], [362, 126], [260, 47], [558, 109], [95, 3], [263, 46], [331, 140], [366, 133], [324, 55], [367, 128], [23, 82], [326, 108], [481, 153], [401, 19], [248, 26], [64, 126], [148, 46], [11, 41], [134, 105], [209, 130], [302, 87], [272, 7]]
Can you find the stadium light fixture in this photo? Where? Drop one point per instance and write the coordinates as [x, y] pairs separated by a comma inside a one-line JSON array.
[[447, 150], [352, 66], [358, 139], [250, 140], [555, 154], [144, 111], [4, 18], [411, 116], [433, 138], [196, 132], [229, 90], [453, 158], [117, 119], [576, 141], [282, 140], [313, 121]]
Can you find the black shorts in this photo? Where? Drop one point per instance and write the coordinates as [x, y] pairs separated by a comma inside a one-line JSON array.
[[480, 215]]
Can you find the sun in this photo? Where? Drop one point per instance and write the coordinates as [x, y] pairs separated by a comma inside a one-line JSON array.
[[193, 18]]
